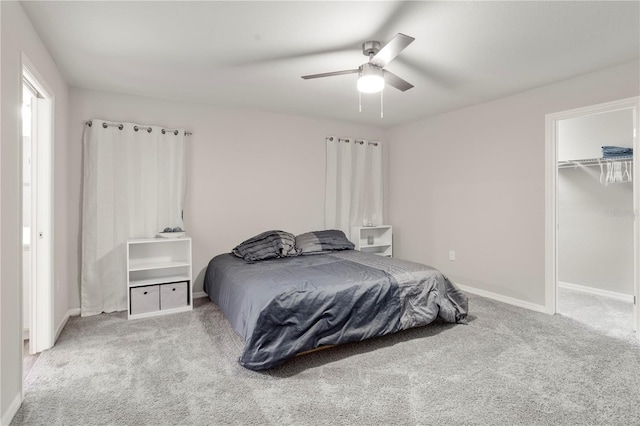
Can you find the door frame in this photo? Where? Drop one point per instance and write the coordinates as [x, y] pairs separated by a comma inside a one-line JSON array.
[[41, 324], [551, 197]]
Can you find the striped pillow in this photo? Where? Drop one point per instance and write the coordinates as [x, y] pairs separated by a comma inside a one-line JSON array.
[[268, 245]]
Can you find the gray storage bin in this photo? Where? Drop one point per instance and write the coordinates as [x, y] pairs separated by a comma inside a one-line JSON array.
[[174, 295], [145, 299]]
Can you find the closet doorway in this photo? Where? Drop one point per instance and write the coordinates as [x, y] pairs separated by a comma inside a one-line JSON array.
[[591, 223]]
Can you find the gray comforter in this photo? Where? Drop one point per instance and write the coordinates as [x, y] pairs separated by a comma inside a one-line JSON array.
[[282, 307]]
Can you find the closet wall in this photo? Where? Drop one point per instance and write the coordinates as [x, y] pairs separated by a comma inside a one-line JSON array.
[[595, 235]]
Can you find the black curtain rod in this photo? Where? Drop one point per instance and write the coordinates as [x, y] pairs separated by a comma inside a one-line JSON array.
[[136, 128], [356, 141]]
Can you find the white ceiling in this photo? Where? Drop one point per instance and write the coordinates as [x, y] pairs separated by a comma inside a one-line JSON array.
[[252, 54]]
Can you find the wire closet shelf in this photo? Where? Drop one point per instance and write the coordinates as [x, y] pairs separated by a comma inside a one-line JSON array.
[[592, 161]]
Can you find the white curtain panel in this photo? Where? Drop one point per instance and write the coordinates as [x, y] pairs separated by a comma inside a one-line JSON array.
[[353, 183], [133, 187]]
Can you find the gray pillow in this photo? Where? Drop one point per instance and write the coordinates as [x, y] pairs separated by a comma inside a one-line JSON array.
[[323, 241], [268, 245]]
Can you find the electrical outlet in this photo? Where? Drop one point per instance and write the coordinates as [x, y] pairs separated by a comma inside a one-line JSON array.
[[452, 255]]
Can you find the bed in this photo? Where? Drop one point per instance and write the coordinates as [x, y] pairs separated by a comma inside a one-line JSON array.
[[284, 306]]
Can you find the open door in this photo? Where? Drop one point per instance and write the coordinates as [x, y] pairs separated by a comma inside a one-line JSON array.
[[39, 201]]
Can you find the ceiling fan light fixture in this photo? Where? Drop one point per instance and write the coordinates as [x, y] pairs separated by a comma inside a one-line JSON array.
[[370, 79]]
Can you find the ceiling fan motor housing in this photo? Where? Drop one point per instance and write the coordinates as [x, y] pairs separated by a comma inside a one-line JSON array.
[[371, 75], [370, 48]]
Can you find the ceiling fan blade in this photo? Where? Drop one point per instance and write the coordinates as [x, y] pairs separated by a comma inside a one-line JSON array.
[[434, 72], [393, 80], [330, 74], [392, 49]]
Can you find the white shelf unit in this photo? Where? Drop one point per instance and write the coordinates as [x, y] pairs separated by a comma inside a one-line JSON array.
[[159, 276], [373, 239]]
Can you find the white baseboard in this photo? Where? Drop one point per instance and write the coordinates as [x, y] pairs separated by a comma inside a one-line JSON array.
[[11, 410], [199, 295], [597, 291], [504, 299], [70, 313]]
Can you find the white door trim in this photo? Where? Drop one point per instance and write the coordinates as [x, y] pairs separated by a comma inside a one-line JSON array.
[[551, 197]]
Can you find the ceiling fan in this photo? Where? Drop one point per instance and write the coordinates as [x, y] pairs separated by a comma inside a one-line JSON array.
[[371, 75]]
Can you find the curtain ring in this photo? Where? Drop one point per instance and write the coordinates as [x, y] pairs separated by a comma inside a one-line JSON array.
[[104, 125], [135, 128], [164, 131], [175, 132], [149, 129], [89, 123], [120, 127], [330, 139]]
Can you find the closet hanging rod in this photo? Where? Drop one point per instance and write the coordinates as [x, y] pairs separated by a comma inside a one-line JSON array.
[[136, 128], [592, 161]]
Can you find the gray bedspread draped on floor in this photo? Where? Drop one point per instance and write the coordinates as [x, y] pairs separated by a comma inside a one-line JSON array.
[[281, 307]]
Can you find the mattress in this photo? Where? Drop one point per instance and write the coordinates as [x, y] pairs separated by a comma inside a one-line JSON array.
[[285, 306]]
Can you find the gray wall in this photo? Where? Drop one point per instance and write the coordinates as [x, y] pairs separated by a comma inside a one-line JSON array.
[[473, 180], [19, 37], [233, 190], [595, 234]]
